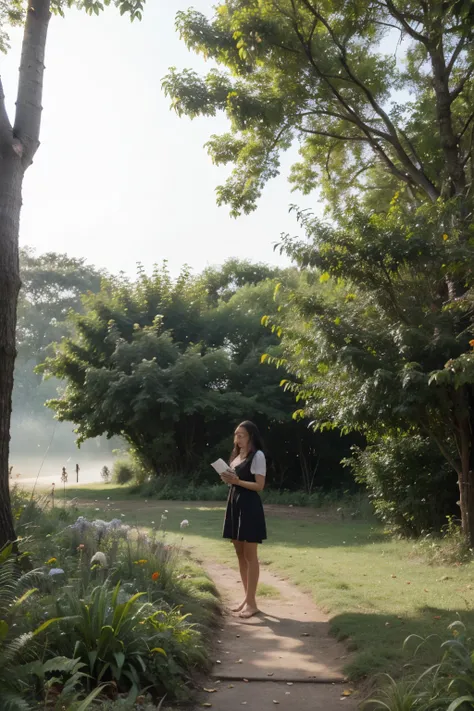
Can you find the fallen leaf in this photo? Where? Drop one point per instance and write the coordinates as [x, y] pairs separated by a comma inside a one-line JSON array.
[[347, 692], [305, 634], [218, 661], [271, 674], [289, 683], [207, 705], [394, 576], [231, 686], [210, 691], [246, 681], [275, 702]]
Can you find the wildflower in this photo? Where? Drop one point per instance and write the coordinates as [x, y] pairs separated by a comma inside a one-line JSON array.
[[142, 561], [152, 523], [56, 571], [80, 547], [155, 576], [51, 561], [166, 511], [184, 524], [471, 343], [164, 518], [99, 558], [445, 237]]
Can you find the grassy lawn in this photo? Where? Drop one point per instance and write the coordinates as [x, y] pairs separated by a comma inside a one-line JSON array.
[[377, 590]]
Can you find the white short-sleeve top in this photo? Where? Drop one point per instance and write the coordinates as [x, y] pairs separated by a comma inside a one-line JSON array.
[[258, 466]]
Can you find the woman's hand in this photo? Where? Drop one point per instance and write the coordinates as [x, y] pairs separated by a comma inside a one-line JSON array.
[[229, 477]]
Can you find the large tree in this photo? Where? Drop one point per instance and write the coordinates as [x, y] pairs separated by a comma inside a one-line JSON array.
[[379, 94], [320, 72], [158, 363], [52, 285], [19, 141]]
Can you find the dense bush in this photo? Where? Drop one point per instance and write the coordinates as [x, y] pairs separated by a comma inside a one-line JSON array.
[[106, 609], [124, 471], [175, 489], [410, 484]]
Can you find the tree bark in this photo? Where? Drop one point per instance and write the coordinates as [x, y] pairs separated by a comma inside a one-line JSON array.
[[11, 176], [17, 148], [465, 419]]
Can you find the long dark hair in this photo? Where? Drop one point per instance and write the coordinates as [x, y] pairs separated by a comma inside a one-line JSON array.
[[256, 441]]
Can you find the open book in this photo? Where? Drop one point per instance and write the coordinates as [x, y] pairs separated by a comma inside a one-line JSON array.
[[220, 466]]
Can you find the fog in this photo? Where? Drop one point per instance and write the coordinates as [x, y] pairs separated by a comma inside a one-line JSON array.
[[41, 448]]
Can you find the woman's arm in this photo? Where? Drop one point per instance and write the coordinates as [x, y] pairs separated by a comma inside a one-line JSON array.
[[232, 478]]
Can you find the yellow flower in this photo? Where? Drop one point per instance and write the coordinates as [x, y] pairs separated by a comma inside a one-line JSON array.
[[51, 561], [445, 237]]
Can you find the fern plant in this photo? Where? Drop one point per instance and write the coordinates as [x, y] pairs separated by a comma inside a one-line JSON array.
[[17, 643]]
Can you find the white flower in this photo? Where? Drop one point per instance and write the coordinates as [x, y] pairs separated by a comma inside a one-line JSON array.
[[152, 523], [56, 571], [166, 510], [184, 524], [99, 558]]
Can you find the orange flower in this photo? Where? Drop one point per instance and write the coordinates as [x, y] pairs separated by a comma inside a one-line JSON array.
[[471, 343], [155, 576]]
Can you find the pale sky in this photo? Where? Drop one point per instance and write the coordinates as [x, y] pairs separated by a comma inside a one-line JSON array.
[[119, 178]]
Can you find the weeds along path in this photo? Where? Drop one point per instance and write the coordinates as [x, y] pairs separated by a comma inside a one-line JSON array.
[[283, 656]]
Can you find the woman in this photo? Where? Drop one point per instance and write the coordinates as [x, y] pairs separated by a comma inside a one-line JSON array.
[[244, 521]]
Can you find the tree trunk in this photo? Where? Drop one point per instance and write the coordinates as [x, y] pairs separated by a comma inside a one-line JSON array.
[[466, 476], [18, 145], [11, 176]]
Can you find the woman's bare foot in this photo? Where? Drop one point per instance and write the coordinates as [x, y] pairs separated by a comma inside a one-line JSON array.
[[238, 608], [248, 612]]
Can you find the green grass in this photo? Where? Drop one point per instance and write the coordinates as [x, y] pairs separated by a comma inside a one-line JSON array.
[[377, 590], [268, 591]]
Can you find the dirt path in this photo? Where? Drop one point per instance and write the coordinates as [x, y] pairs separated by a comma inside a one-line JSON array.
[[284, 656]]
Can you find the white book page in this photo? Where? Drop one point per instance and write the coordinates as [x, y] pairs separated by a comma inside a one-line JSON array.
[[220, 466]]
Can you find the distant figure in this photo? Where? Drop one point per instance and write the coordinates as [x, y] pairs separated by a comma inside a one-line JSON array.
[[77, 473], [10, 471], [64, 475]]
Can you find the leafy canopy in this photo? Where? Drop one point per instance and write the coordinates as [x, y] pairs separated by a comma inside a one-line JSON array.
[[378, 94]]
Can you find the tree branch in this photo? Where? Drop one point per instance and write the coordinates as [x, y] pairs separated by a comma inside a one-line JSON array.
[[402, 19], [6, 131], [413, 175], [462, 83], [327, 134], [457, 51], [30, 85]]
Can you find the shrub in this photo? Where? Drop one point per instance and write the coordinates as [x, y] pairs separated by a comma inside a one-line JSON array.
[[411, 486], [446, 686], [123, 472], [101, 607]]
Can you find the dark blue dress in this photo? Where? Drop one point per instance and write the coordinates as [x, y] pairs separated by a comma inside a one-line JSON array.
[[244, 517]]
